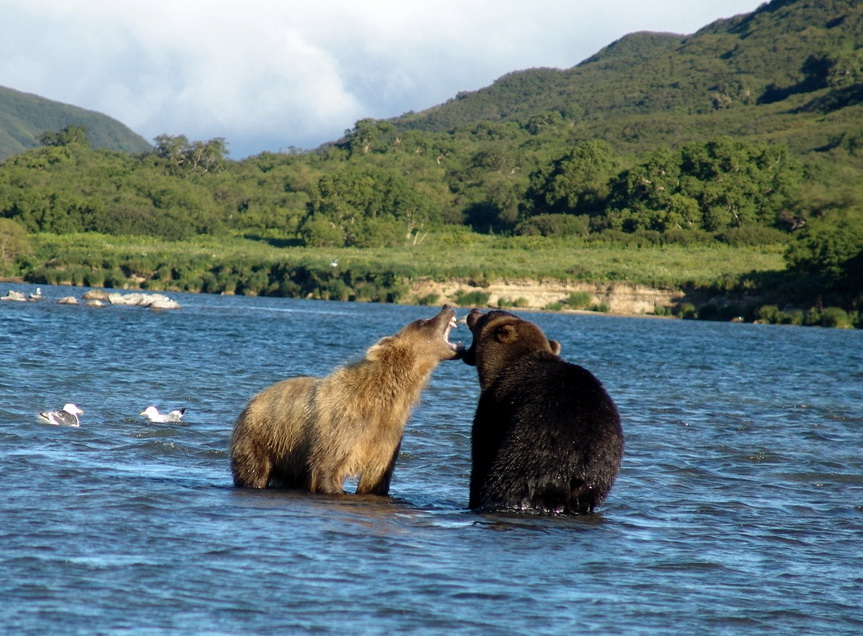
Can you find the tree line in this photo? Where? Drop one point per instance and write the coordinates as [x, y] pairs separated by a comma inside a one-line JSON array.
[[364, 194], [383, 186]]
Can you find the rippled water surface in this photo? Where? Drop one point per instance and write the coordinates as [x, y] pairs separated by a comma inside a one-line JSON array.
[[738, 510]]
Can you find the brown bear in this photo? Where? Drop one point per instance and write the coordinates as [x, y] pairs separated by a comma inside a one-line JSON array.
[[546, 436], [314, 433]]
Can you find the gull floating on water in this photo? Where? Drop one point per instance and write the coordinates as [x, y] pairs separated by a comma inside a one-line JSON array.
[[153, 413], [67, 416]]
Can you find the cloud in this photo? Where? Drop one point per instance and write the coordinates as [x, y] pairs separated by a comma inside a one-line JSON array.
[[268, 74]]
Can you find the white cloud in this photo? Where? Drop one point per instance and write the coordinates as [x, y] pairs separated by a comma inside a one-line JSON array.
[[266, 74]]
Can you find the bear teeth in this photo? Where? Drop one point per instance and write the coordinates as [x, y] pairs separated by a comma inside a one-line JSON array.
[[452, 325]]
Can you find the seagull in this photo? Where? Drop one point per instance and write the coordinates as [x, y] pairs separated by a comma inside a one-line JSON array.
[[67, 416], [153, 413]]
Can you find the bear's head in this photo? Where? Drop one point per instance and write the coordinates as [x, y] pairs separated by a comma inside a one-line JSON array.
[[426, 338], [499, 339]]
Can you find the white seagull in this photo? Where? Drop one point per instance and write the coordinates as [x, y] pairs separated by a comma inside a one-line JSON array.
[[153, 413], [67, 416]]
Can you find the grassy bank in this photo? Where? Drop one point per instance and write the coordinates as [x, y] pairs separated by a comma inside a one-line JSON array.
[[179, 265], [713, 272]]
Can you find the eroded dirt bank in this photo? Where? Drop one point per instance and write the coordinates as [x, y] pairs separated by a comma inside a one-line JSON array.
[[614, 298]]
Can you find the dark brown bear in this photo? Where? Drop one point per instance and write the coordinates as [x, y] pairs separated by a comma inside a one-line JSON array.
[[546, 436], [313, 433]]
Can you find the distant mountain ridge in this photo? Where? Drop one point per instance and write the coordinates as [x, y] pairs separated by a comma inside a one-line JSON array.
[[25, 117], [784, 48]]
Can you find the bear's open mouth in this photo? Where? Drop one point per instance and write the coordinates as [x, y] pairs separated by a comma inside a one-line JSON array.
[[453, 324]]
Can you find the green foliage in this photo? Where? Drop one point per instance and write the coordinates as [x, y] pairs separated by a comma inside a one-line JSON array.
[[833, 317], [579, 300], [369, 135], [14, 245], [715, 186], [509, 303], [687, 311], [68, 135], [768, 314], [179, 156], [573, 184], [70, 187], [365, 207], [836, 317], [832, 249], [561, 225], [752, 235], [472, 299]]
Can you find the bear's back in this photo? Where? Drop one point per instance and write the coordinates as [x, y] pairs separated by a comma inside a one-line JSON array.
[[547, 436]]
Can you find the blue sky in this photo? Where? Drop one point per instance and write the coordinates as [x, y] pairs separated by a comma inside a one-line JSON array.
[[271, 74]]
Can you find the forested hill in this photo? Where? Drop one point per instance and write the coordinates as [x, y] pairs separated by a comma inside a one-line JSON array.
[[643, 83], [25, 117]]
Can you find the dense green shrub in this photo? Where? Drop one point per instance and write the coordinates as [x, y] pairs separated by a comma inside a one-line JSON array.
[[472, 299], [813, 317], [837, 318], [769, 314], [504, 303], [753, 235], [115, 278], [679, 236], [509, 303], [686, 311], [579, 300], [559, 225], [792, 317], [94, 278], [14, 245], [831, 251]]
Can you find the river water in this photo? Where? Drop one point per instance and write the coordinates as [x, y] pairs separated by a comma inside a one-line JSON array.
[[738, 510]]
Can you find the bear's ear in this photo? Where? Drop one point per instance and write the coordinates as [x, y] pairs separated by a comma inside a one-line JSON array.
[[472, 318], [555, 347], [506, 334]]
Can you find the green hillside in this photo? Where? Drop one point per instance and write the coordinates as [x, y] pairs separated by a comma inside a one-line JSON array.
[[25, 117], [784, 64]]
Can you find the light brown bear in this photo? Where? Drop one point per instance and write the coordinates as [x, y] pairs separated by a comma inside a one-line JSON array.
[[313, 433]]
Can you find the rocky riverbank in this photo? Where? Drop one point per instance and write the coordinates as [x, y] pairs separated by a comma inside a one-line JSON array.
[[100, 298]]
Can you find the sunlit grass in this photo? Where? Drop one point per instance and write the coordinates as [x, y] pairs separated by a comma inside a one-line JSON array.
[[441, 257]]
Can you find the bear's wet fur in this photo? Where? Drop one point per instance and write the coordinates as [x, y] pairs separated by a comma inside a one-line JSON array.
[[313, 433], [546, 435]]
